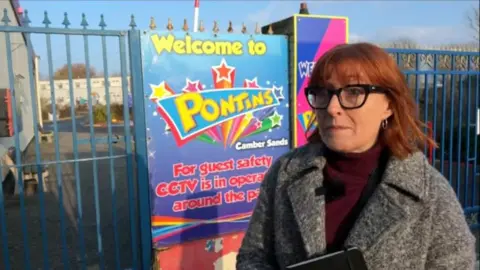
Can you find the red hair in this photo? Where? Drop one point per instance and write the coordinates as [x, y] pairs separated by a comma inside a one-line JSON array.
[[403, 135]]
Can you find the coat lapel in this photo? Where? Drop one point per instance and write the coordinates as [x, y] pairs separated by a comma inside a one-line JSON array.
[[377, 219], [394, 202], [309, 209]]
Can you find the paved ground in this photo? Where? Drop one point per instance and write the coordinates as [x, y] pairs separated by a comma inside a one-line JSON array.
[[70, 207]]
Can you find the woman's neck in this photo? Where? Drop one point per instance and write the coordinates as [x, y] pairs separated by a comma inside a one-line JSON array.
[[355, 164]]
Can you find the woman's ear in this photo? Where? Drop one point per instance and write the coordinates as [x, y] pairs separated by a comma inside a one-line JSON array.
[[388, 110]]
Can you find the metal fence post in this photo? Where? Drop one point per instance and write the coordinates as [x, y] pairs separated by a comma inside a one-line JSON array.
[[140, 149]]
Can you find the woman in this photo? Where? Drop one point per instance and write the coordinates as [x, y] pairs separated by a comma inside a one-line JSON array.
[[361, 180]]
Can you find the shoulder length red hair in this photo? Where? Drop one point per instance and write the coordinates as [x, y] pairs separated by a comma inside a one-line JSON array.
[[403, 135]]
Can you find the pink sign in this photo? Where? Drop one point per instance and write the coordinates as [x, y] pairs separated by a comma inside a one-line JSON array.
[[313, 36]]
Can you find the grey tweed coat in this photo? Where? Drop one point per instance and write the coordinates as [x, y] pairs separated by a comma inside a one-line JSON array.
[[412, 221]]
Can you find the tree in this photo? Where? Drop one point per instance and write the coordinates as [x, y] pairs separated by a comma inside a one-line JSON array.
[[474, 19], [78, 71]]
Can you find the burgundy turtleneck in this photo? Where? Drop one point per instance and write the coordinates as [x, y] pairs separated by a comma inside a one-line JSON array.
[[353, 170]]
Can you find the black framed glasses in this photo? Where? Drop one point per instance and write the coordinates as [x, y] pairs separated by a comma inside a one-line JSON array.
[[350, 97]]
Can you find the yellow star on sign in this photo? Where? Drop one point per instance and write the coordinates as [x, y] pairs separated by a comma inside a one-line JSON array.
[[160, 91], [248, 116]]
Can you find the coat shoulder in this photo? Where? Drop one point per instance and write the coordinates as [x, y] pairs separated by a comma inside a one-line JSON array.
[[295, 160], [438, 189], [447, 209], [452, 239]]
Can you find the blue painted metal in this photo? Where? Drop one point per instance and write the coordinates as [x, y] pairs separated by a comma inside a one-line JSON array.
[[139, 236], [84, 23], [128, 148], [81, 241], [18, 155], [3, 225], [101, 140], [65, 260], [463, 170], [26, 24], [457, 80], [143, 187], [110, 148]]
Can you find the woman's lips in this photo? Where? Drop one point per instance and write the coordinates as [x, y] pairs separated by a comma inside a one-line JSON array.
[[335, 128]]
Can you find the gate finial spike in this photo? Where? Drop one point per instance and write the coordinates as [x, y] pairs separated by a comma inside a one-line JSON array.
[[84, 22], [169, 25], [257, 29], [270, 30], [152, 24], [201, 28], [65, 22], [46, 20], [132, 24], [230, 27], [185, 25], [244, 28], [26, 20], [215, 27], [102, 23], [5, 18]]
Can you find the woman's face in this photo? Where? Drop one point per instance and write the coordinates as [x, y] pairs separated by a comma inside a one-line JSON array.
[[352, 130]]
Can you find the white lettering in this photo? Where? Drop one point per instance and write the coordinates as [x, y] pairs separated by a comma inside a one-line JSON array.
[[256, 145], [275, 143], [305, 68]]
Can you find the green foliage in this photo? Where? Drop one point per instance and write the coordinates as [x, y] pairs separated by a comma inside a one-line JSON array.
[[100, 114], [79, 70], [116, 110]]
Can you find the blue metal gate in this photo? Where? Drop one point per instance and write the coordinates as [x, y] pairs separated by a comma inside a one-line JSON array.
[[446, 88], [96, 212], [92, 205]]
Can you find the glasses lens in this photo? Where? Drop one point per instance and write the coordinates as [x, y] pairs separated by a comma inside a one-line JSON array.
[[318, 98], [353, 96]]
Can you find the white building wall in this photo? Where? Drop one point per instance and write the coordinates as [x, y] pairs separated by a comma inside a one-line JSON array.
[[21, 83], [62, 91]]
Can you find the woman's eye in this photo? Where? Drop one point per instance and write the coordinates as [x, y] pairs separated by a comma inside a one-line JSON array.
[[355, 91]]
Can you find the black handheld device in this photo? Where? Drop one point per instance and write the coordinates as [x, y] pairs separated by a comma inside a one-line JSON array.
[[348, 259]]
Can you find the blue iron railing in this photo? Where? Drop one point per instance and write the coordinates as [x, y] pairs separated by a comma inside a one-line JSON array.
[[445, 85], [139, 238], [446, 88]]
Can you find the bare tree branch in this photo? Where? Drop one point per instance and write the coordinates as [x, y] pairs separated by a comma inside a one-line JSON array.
[[474, 20]]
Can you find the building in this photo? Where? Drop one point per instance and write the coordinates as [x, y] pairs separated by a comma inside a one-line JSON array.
[[21, 84], [80, 91]]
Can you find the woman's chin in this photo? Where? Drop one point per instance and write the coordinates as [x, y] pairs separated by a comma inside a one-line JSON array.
[[339, 145]]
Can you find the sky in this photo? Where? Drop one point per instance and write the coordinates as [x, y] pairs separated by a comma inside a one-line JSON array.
[[425, 22]]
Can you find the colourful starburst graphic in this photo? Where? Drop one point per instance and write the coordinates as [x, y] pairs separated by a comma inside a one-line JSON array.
[[221, 115]]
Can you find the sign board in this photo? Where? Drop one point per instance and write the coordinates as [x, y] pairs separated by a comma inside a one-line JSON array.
[[216, 117], [313, 36]]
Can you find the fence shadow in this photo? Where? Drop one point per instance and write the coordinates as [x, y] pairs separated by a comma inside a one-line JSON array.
[[83, 220]]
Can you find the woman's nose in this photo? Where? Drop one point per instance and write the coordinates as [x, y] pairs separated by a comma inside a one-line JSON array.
[[334, 107]]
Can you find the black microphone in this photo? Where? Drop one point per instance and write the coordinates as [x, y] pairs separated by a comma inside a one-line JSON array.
[[332, 190]]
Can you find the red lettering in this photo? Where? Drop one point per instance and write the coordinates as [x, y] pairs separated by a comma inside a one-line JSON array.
[[207, 168], [242, 180], [179, 169], [255, 162], [234, 197], [176, 187], [190, 204], [252, 194]]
